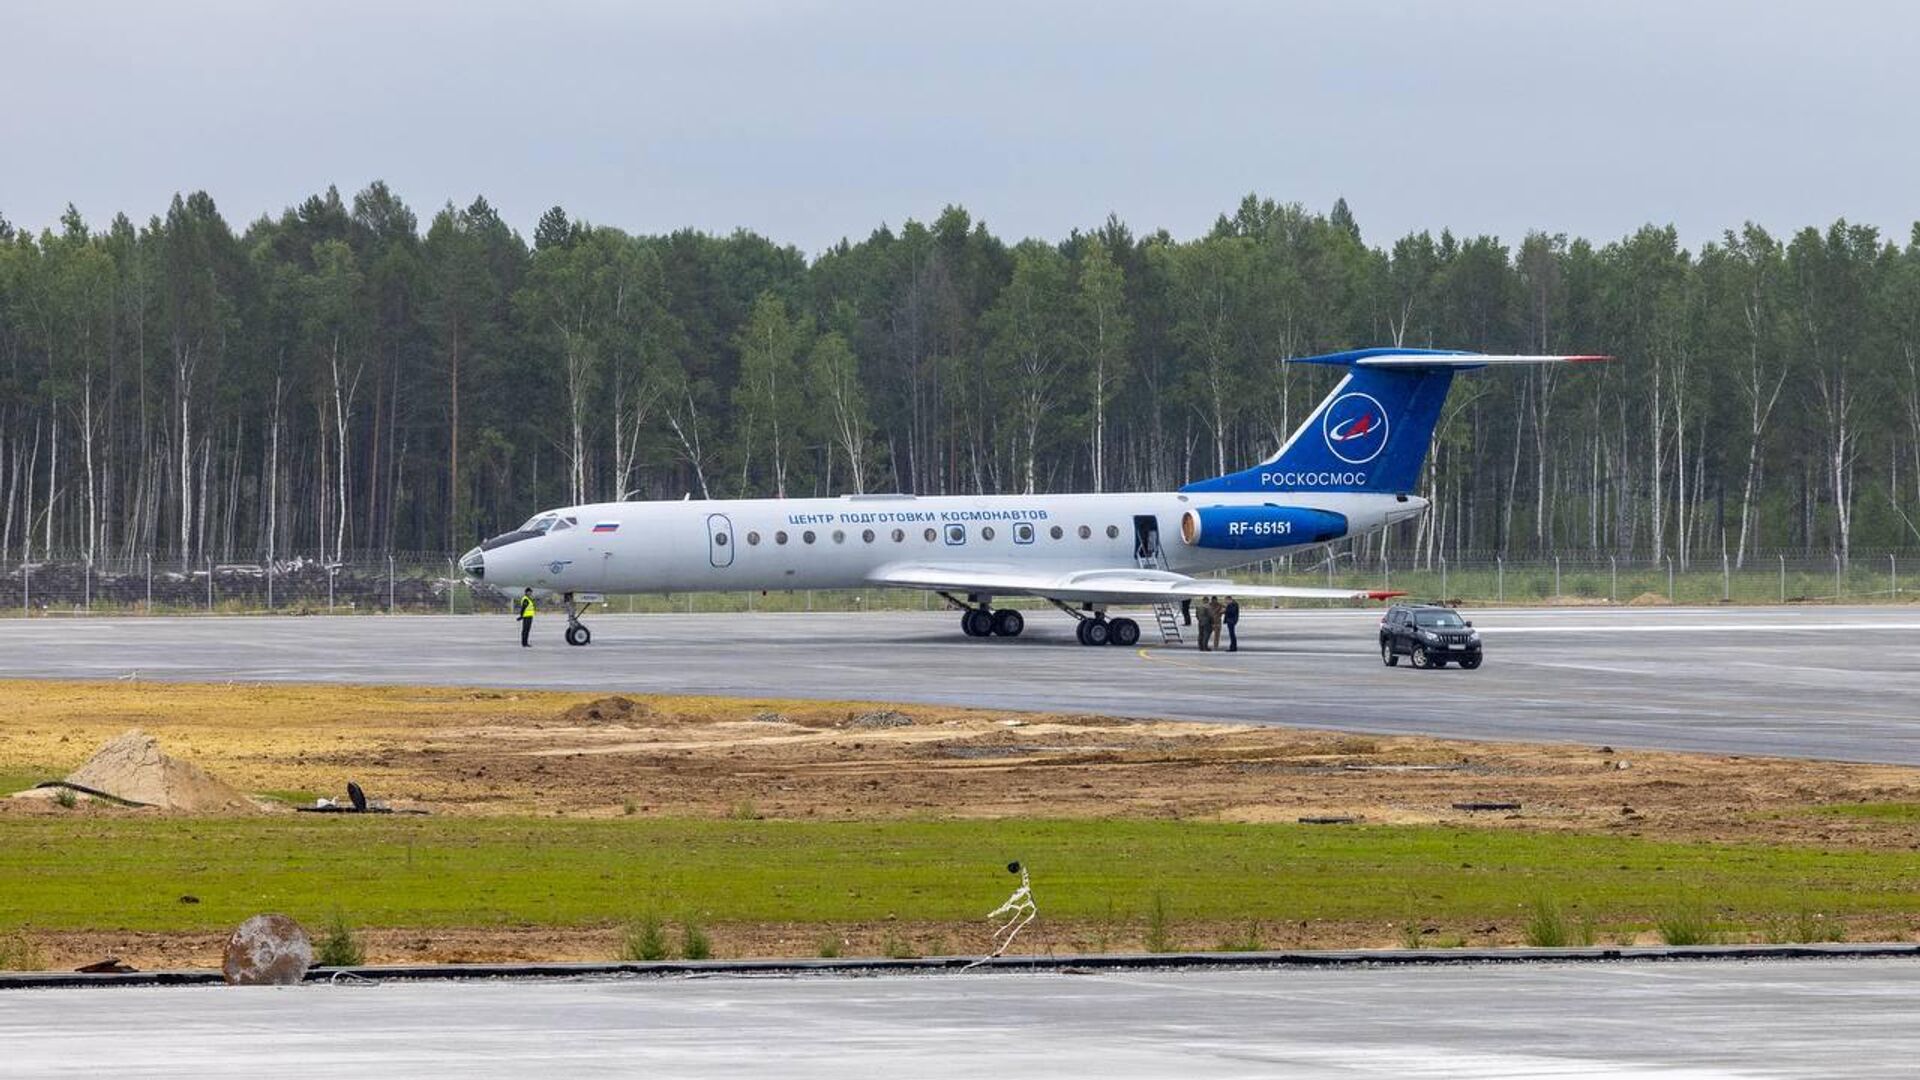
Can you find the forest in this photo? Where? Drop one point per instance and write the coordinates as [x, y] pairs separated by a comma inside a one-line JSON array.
[[341, 380]]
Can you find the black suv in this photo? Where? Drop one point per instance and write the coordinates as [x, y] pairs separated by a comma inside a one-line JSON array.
[[1429, 635]]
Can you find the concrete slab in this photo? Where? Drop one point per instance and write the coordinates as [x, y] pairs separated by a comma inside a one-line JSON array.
[[1820, 682], [1687, 1019]]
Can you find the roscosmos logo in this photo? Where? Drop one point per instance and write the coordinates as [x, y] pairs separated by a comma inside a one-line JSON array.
[[1355, 427]]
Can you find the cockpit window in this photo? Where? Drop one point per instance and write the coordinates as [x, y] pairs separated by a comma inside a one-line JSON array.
[[540, 523], [563, 523]]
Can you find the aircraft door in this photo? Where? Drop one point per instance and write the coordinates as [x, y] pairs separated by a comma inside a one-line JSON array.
[[719, 541], [1146, 537]]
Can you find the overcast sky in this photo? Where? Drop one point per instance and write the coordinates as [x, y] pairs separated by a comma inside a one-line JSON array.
[[809, 121]]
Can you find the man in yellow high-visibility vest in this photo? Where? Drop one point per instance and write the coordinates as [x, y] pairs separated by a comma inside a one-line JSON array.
[[526, 618]]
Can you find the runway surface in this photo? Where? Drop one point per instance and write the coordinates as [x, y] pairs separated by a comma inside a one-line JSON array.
[[1676, 1019], [1823, 682]]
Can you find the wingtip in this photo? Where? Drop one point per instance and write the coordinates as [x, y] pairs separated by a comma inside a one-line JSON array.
[[1385, 594]]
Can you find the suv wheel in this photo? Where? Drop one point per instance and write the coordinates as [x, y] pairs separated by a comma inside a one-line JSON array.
[[1469, 662], [1419, 657], [1387, 655]]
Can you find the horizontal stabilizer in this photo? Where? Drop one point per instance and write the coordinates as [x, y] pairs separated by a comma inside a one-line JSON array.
[[1436, 358]]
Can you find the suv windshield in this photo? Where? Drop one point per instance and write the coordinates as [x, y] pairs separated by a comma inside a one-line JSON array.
[[1438, 620]]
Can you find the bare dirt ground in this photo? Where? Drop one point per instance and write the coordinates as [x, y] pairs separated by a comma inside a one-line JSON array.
[[458, 751], [468, 752]]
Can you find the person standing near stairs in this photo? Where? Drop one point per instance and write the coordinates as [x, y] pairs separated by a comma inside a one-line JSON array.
[[1206, 624]]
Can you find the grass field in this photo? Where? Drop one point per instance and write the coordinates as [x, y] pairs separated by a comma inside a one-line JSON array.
[[130, 873]]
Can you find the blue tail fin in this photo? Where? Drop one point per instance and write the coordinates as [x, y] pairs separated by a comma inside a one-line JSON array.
[[1370, 434]]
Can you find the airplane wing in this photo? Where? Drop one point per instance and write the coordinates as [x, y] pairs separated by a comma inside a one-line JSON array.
[[1115, 585]]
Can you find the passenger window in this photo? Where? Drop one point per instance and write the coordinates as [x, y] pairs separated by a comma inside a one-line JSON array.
[[1023, 533], [1085, 533], [780, 537], [956, 534], [866, 536], [719, 539], [753, 539], [839, 536], [899, 535], [807, 537], [931, 536], [1054, 532], [1113, 532], [986, 533]]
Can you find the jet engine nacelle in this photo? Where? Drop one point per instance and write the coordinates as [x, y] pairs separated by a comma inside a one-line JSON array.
[[1237, 527]]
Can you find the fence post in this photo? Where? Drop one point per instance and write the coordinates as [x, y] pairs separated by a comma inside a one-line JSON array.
[[453, 582], [1893, 577], [389, 583], [86, 587], [1726, 580], [1500, 576], [1839, 586], [1443, 578], [1386, 575], [26, 588], [269, 584], [1669, 579], [209, 586], [330, 569], [1556, 577], [1613, 579], [149, 582], [1783, 579]]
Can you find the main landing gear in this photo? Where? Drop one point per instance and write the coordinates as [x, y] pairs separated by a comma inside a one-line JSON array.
[[1096, 629], [577, 632], [979, 619], [1100, 630]]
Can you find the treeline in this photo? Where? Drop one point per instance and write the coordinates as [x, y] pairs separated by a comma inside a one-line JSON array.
[[339, 379]]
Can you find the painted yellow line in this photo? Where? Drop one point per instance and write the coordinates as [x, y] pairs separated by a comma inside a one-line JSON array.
[[1148, 654]]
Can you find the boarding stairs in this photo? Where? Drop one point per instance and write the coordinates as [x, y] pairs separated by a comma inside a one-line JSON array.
[[1168, 615]]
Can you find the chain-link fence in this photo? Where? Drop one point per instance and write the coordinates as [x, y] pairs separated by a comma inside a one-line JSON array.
[[424, 583], [293, 586], [1489, 578]]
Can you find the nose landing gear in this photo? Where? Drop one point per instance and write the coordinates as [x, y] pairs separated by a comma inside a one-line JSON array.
[[577, 632]]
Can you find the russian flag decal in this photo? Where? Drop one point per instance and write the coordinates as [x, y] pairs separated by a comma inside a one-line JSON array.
[[606, 527]]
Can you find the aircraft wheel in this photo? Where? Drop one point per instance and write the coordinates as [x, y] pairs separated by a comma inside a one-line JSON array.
[[1080, 632], [978, 623], [1123, 632], [1008, 622], [578, 635], [1388, 656], [1096, 632], [1419, 658]]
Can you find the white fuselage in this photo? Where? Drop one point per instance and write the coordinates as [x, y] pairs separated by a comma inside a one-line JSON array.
[[841, 542]]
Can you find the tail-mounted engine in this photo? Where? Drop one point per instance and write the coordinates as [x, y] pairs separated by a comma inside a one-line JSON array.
[[1240, 527]]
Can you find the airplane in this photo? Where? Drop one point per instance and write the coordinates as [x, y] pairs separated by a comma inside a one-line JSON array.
[[1349, 469]]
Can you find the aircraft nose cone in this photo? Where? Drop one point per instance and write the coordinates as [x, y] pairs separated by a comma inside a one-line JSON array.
[[474, 564]]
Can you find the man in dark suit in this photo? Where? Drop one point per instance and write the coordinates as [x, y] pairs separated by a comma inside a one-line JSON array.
[[1231, 617]]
